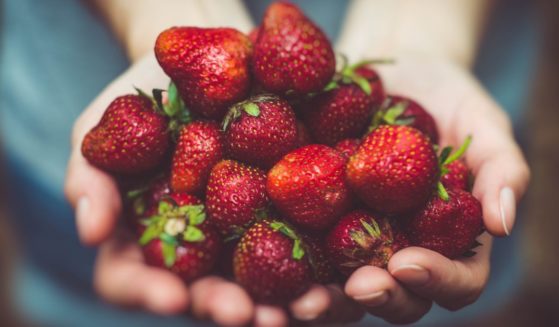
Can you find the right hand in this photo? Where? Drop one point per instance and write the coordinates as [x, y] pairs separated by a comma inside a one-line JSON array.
[[121, 276]]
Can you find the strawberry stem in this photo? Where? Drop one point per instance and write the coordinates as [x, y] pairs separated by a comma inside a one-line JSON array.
[[458, 153], [443, 194]]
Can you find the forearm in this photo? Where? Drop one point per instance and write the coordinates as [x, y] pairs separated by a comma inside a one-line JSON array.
[[447, 29], [137, 23]]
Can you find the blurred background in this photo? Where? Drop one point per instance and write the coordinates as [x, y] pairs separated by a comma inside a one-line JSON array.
[[45, 274]]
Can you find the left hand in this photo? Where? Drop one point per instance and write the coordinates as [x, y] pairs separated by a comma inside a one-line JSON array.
[[416, 277]]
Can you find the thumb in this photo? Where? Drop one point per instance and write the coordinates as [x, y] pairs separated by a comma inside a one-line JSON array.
[[95, 197]]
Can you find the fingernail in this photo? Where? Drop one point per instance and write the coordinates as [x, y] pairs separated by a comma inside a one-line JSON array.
[[412, 275], [373, 299], [507, 207], [82, 210]]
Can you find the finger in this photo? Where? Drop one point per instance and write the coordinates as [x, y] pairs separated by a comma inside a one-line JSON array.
[[311, 304], [270, 316], [382, 296], [453, 284], [121, 277], [501, 171], [95, 197], [224, 302], [342, 308]]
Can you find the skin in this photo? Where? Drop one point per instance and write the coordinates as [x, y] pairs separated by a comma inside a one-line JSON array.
[[452, 95]]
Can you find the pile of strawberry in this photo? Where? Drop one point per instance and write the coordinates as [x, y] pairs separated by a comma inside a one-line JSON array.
[[264, 163]]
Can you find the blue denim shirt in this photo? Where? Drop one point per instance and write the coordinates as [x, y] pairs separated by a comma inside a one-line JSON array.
[[57, 55]]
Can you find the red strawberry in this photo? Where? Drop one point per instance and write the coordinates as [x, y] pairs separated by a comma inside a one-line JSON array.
[[359, 239], [348, 147], [303, 135], [395, 170], [403, 111], [458, 176], [323, 270], [130, 138], [292, 54], [253, 35], [199, 148], [178, 238], [448, 227], [210, 66], [260, 130], [270, 263], [235, 195], [344, 111], [308, 186]]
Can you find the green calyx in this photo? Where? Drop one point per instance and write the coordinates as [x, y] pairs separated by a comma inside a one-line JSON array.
[[298, 251], [347, 74], [366, 236], [447, 157], [172, 224], [174, 108], [250, 107], [390, 115]]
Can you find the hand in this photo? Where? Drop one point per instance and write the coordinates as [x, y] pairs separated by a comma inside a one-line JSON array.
[[122, 277], [416, 277]]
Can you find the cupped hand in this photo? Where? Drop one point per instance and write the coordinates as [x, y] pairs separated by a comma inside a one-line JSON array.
[[417, 277], [122, 277]]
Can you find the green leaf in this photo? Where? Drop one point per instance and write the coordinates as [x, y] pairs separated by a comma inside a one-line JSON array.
[[279, 226], [166, 238], [164, 207], [136, 193], [330, 86], [456, 155], [373, 229], [158, 99], [169, 253], [443, 194], [252, 109], [405, 121], [195, 213], [392, 113], [444, 154], [298, 251], [142, 93], [363, 83], [173, 99], [193, 234], [151, 232], [139, 206]]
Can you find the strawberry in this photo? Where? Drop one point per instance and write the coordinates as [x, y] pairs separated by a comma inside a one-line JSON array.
[[260, 130], [323, 269], [395, 170], [291, 55], [131, 136], [458, 176], [210, 66], [308, 186], [253, 35], [178, 238], [345, 109], [235, 195], [449, 227], [348, 147], [360, 238], [199, 148], [399, 110], [271, 264], [303, 135]]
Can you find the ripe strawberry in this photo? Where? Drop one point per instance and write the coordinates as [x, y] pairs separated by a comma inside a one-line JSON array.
[[323, 269], [348, 147], [458, 176], [260, 130], [308, 186], [291, 54], [253, 35], [270, 263], [199, 148], [131, 136], [235, 195], [303, 135], [346, 108], [403, 111], [448, 227], [360, 238], [210, 66], [395, 170], [178, 238]]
